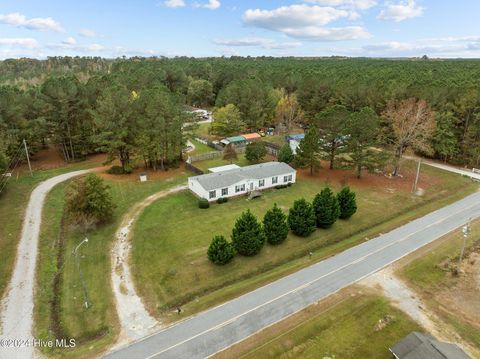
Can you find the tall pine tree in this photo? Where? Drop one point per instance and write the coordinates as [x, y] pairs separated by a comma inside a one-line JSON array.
[[275, 225], [308, 151], [248, 237], [347, 202], [326, 207]]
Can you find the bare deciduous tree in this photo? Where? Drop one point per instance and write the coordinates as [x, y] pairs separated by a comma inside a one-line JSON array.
[[288, 111], [413, 124]]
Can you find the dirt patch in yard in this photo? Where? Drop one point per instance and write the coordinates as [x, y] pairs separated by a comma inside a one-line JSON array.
[[463, 299], [151, 175], [51, 158], [403, 183]]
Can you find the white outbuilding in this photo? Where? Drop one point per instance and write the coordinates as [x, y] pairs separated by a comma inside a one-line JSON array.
[[242, 180]]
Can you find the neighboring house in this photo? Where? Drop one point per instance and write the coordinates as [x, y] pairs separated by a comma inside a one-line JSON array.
[[420, 346], [241, 140], [252, 137], [294, 141], [234, 140], [238, 181]]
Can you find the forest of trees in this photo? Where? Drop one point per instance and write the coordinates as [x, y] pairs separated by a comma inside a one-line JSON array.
[[135, 108]]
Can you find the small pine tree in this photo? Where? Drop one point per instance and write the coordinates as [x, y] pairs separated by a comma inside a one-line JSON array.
[[348, 203], [275, 225], [285, 154], [248, 237], [220, 251], [301, 218], [326, 207], [89, 202], [229, 153]]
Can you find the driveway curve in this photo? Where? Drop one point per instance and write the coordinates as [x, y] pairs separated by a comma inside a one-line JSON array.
[[16, 308], [135, 321]]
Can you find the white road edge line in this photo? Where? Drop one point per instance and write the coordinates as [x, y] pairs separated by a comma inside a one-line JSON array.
[[317, 279]]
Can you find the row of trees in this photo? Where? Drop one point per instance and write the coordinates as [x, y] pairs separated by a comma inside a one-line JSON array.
[[356, 139], [249, 235], [68, 101], [103, 115]]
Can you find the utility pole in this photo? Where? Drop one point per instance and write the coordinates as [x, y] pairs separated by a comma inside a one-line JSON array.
[[417, 176], [466, 231], [28, 157]]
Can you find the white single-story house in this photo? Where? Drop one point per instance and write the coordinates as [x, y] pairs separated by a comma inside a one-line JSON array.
[[294, 141], [242, 180]]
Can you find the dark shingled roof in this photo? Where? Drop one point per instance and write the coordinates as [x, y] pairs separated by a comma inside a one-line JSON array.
[[420, 346]]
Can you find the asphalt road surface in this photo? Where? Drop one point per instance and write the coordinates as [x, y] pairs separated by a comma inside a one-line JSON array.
[[216, 329]]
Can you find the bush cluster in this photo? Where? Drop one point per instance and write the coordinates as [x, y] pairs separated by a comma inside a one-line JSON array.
[[249, 235], [203, 203], [222, 200]]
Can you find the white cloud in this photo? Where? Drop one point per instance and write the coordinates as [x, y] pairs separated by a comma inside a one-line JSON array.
[[174, 3], [329, 34], [293, 16], [37, 23], [467, 46], [70, 41], [27, 43], [305, 22], [258, 42], [355, 4], [403, 10], [212, 4], [87, 33]]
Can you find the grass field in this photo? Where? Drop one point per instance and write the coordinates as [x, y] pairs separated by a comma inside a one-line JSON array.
[[13, 203], [348, 330], [95, 327], [241, 161], [169, 256], [200, 148], [455, 299]]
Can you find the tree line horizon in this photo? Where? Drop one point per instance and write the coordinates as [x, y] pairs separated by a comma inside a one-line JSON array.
[[134, 109]]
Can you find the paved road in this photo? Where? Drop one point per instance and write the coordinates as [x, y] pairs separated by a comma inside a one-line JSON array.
[[463, 172], [16, 309], [218, 328]]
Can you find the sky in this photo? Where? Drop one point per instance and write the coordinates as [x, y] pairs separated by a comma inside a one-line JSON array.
[[201, 28]]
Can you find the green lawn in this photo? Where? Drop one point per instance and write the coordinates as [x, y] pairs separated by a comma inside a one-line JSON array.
[[428, 277], [345, 331], [13, 203], [169, 259], [241, 161], [202, 129], [200, 148], [95, 327]]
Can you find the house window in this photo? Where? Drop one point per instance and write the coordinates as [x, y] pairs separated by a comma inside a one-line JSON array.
[[285, 179], [225, 191], [261, 183], [274, 180], [240, 188], [212, 194], [290, 177]]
